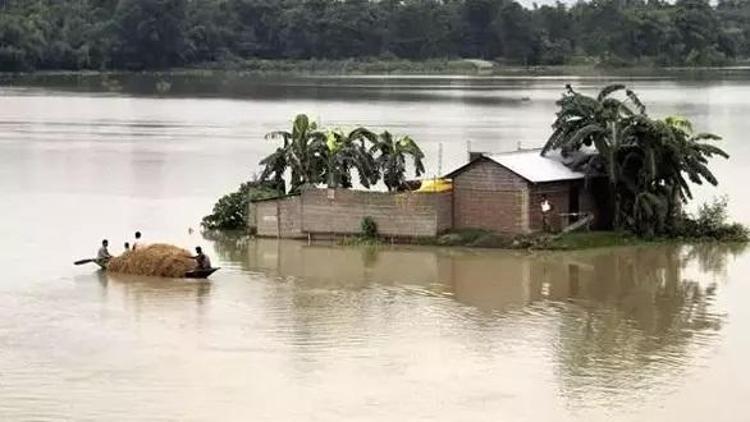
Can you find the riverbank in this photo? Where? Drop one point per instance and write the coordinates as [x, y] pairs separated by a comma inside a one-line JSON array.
[[541, 242], [445, 66], [377, 67]]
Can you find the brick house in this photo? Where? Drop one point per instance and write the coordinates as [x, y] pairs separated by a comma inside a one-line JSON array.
[[503, 193], [496, 192]]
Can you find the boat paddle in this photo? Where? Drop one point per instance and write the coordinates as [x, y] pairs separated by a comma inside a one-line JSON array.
[[84, 261]]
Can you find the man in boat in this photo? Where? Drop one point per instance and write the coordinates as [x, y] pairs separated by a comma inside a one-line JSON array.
[[103, 256], [204, 263]]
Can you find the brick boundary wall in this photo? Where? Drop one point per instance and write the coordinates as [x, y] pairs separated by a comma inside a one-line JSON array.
[[325, 212]]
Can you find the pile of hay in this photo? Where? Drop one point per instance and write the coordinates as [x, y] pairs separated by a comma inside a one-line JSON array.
[[159, 260]]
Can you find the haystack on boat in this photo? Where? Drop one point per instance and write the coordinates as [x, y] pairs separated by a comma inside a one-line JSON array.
[[157, 260]]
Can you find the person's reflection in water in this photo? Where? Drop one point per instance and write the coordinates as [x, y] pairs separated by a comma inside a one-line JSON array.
[[101, 277], [204, 288], [573, 279]]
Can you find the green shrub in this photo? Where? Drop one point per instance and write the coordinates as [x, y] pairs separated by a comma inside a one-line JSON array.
[[711, 223], [369, 228], [230, 212]]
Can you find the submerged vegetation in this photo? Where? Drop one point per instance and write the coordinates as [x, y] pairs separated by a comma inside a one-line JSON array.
[[150, 34]]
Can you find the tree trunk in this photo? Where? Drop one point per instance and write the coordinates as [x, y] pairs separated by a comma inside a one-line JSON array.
[[612, 163]]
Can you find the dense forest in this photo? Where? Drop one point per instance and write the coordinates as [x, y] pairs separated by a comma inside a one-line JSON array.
[[148, 34]]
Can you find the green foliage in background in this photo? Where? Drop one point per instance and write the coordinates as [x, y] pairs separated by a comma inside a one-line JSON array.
[[230, 212], [149, 34]]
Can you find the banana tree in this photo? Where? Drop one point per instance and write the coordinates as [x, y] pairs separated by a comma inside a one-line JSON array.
[[391, 158], [647, 162], [603, 122], [302, 153], [346, 152]]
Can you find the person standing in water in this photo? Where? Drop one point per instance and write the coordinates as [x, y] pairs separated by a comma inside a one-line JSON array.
[[127, 247], [546, 211], [137, 242], [204, 263]]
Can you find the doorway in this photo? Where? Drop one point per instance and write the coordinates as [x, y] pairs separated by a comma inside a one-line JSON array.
[[574, 206]]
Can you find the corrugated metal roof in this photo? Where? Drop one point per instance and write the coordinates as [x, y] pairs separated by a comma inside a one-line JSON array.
[[530, 165]]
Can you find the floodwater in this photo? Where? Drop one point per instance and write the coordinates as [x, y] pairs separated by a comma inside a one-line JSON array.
[[288, 331]]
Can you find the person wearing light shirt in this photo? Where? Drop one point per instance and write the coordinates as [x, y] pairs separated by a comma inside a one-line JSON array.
[[546, 211], [103, 256]]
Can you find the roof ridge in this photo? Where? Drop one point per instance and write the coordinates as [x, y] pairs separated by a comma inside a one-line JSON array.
[[517, 151]]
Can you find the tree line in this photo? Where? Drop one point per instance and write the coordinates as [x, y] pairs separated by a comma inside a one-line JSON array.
[[152, 34]]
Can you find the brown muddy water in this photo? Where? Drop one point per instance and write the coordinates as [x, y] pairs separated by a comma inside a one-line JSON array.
[[289, 331]]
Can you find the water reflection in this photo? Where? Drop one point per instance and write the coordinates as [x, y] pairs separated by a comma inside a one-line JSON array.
[[619, 322], [489, 280], [143, 293]]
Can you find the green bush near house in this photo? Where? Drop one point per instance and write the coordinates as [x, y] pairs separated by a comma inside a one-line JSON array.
[[369, 228], [230, 212], [710, 223]]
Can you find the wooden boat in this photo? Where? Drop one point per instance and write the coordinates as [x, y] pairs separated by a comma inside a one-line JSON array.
[[194, 274], [201, 273]]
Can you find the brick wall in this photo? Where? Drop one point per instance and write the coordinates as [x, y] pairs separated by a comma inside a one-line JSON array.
[[444, 204], [408, 214], [266, 218], [340, 211], [290, 217], [491, 197], [279, 218]]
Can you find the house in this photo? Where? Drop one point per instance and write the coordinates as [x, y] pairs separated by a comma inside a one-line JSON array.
[[496, 192], [503, 193]]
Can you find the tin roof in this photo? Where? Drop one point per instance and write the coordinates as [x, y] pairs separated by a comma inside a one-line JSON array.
[[532, 166]]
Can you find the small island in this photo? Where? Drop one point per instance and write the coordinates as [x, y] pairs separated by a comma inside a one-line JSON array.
[[609, 174]]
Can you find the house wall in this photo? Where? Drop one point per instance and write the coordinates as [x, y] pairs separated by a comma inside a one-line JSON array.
[[290, 217], [266, 218], [321, 212], [279, 218], [491, 197]]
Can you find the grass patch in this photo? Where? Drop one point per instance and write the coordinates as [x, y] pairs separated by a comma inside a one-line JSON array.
[[360, 241], [595, 239], [477, 238]]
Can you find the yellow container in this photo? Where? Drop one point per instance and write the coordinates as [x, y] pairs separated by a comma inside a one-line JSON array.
[[436, 185]]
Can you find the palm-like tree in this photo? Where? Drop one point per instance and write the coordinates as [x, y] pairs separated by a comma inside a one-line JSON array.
[[345, 152], [647, 162], [605, 123], [302, 153], [312, 156], [391, 158]]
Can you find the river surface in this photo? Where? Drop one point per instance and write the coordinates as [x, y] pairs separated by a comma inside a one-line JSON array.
[[288, 331]]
